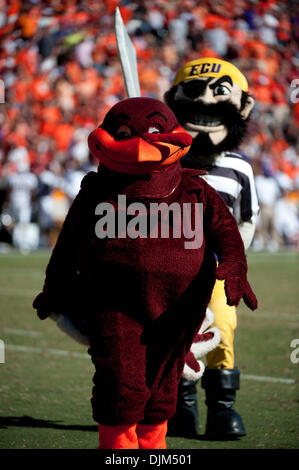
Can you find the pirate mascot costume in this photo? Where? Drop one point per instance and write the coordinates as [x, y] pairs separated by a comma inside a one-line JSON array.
[[136, 296], [210, 99]]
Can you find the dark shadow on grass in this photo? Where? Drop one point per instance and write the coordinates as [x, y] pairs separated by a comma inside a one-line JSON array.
[[183, 435], [200, 437], [29, 422], [223, 439]]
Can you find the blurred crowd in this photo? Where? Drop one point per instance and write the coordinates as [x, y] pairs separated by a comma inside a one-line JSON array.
[[60, 73]]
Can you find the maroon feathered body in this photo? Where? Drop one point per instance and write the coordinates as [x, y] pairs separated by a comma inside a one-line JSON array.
[[142, 299]]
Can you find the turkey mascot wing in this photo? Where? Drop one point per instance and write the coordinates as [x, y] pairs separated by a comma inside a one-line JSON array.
[[145, 275]]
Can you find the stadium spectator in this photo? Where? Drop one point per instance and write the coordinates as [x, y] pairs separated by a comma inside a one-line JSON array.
[[269, 193]]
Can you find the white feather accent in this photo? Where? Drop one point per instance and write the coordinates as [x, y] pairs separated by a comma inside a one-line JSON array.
[[190, 374], [209, 319], [201, 348], [64, 324]]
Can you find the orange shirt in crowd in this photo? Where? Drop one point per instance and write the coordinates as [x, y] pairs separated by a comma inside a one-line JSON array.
[[278, 146], [263, 94], [113, 85], [278, 94], [209, 52], [28, 23], [296, 113], [20, 90], [63, 136], [239, 35], [89, 84], [50, 117], [17, 138], [27, 59], [148, 78], [272, 66], [284, 29], [286, 167], [111, 5], [51, 114], [258, 49], [260, 138], [143, 54], [12, 114], [216, 21], [125, 12], [40, 89], [73, 71], [108, 44]]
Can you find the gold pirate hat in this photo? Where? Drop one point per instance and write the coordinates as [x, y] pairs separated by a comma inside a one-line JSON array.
[[210, 67]]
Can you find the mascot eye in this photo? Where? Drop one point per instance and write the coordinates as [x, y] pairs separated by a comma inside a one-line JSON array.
[[221, 90], [153, 130], [123, 132]]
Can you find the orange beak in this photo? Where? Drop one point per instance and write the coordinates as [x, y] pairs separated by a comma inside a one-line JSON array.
[[140, 154]]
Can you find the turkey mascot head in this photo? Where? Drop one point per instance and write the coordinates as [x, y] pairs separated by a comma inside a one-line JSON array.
[[139, 136]]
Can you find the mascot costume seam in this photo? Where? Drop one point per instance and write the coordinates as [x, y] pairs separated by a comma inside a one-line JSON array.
[[210, 99], [139, 296]]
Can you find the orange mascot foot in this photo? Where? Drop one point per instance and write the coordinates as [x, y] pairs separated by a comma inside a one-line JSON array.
[[152, 436], [118, 437]]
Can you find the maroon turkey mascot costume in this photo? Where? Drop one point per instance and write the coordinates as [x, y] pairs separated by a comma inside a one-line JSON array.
[[141, 295]]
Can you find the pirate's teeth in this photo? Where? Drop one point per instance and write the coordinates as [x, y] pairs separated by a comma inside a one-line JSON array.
[[204, 122]]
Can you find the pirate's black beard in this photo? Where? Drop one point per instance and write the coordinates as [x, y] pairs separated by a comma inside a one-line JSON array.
[[202, 150]]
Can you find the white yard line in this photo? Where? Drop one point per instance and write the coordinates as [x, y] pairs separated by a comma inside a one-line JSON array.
[[270, 253], [55, 352], [272, 257], [62, 352], [262, 378], [21, 269], [11, 291], [274, 260], [14, 331], [263, 314]]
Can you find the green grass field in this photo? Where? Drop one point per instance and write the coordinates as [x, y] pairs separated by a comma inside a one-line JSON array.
[[45, 391]]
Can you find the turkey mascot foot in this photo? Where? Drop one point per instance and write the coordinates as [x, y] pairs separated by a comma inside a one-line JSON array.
[[127, 274]]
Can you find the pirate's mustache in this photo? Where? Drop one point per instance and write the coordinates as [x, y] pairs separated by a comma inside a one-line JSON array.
[[210, 115]]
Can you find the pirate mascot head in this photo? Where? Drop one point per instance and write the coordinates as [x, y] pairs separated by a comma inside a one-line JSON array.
[[210, 100]]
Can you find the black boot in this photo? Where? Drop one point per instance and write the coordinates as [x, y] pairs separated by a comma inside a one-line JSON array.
[[185, 422], [223, 422]]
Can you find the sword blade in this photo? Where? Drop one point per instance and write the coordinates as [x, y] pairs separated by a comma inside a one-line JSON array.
[[127, 56]]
